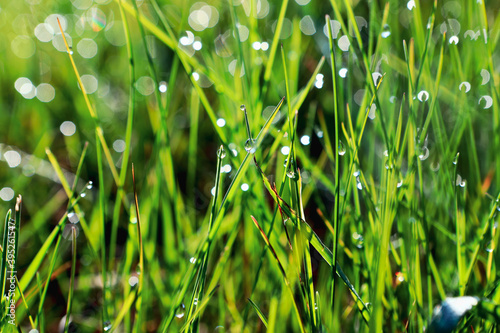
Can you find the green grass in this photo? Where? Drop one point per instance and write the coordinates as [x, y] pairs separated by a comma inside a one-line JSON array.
[[369, 191]]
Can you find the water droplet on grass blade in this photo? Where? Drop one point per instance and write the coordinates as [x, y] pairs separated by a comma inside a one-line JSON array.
[[292, 175], [455, 160], [192, 260], [386, 32], [221, 153], [181, 310], [424, 154], [195, 301], [341, 148], [490, 246], [400, 183], [107, 325], [250, 146], [243, 107]]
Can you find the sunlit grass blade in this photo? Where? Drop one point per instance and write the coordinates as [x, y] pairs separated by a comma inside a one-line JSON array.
[[93, 114], [49, 274], [230, 193], [282, 270], [259, 312], [33, 326], [336, 211], [315, 241]]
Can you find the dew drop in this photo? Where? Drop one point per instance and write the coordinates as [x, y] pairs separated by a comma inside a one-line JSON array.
[[219, 329], [400, 183], [90, 184], [341, 148], [424, 154], [386, 32], [356, 173], [423, 96], [192, 260], [490, 246], [195, 301], [181, 310], [250, 146], [243, 107], [359, 185], [221, 153], [107, 325], [358, 239], [455, 160], [292, 175], [465, 85], [411, 4], [83, 195]]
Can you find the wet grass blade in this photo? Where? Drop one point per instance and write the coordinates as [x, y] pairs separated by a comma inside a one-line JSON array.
[[231, 191], [282, 270]]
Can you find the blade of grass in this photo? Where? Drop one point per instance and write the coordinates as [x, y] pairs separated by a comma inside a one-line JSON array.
[[259, 312], [282, 270], [141, 255], [182, 289], [72, 280]]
